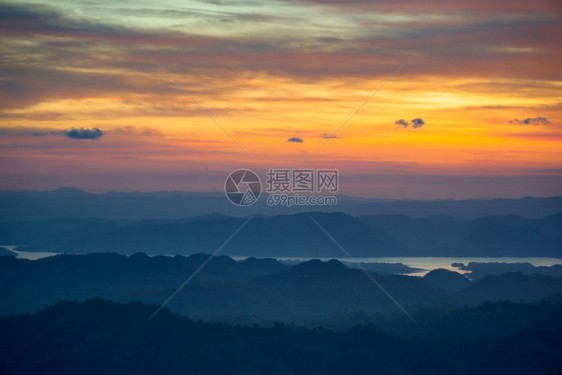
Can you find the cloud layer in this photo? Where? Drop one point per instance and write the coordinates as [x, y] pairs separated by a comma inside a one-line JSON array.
[[266, 73], [89, 58]]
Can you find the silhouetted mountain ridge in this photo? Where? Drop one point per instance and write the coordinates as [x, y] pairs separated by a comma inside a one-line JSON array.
[[287, 235], [249, 290], [297, 236], [447, 280], [73, 203]]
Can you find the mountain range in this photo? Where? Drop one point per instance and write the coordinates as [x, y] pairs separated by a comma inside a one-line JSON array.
[[64, 203], [253, 289], [296, 235]]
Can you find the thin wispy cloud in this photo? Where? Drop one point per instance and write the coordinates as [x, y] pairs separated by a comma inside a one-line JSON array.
[[330, 136], [531, 121]]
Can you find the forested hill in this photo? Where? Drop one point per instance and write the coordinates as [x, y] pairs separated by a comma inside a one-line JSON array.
[[250, 290], [98, 337]]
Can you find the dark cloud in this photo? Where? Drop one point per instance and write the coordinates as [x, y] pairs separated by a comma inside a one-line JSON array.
[[83, 133], [401, 122], [295, 140], [531, 121], [415, 123], [330, 136]]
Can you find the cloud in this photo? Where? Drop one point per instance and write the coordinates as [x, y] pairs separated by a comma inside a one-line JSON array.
[[415, 123], [330, 136], [295, 140], [83, 133], [401, 122], [531, 121]]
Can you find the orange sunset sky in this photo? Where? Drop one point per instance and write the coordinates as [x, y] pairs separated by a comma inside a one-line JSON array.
[[483, 77]]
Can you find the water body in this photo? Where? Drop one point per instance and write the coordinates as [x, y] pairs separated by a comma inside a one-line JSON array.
[[425, 264], [29, 255]]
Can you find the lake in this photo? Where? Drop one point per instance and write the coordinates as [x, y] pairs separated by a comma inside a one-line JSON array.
[[426, 264], [431, 263]]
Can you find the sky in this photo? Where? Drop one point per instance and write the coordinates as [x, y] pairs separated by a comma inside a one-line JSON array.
[[441, 99]]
